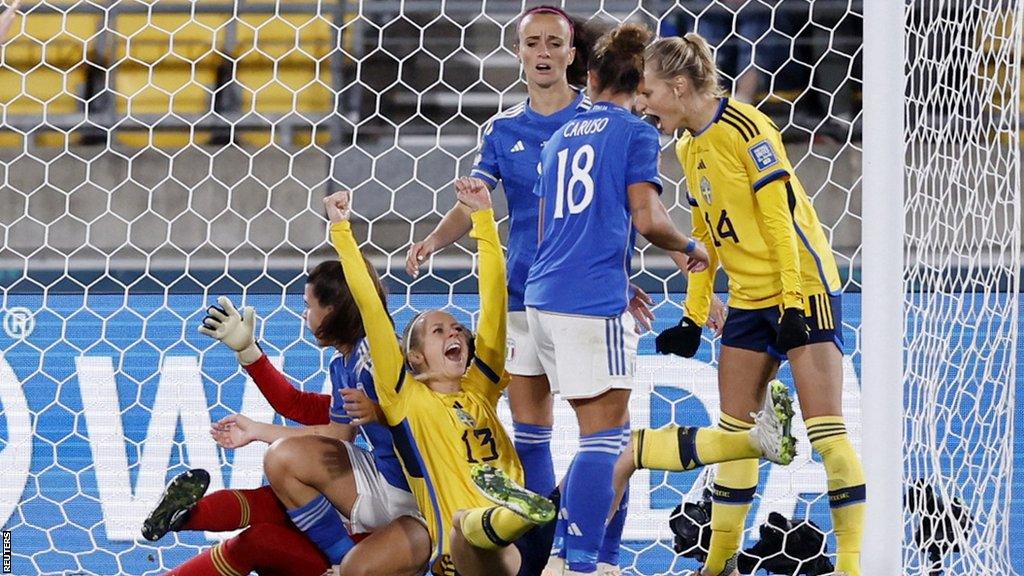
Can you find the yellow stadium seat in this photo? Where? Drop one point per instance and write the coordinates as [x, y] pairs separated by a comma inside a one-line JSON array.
[[165, 63], [43, 71], [284, 66]]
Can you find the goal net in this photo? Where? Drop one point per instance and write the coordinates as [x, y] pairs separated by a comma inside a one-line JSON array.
[[962, 247], [156, 155]]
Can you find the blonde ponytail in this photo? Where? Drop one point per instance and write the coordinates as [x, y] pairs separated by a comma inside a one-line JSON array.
[[688, 56]]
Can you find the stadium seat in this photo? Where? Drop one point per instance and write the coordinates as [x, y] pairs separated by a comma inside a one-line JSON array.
[[48, 59], [165, 67], [283, 67]]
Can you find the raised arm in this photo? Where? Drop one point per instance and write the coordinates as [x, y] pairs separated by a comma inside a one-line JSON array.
[[307, 408], [384, 350], [236, 330], [491, 328], [7, 19], [454, 225]]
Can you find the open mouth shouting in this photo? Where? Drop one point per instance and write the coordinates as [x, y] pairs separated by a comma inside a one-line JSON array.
[[453, 351]]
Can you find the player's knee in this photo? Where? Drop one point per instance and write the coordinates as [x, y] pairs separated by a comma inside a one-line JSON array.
[[282, 459], [353, 565], [357, 563]]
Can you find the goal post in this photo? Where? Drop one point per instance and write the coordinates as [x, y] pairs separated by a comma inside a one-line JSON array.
[[882, 268]]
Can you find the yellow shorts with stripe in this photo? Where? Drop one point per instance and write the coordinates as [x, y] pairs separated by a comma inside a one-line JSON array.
[[757, 329]]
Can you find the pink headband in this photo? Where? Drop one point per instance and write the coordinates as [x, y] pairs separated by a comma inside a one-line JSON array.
[[548, 10]]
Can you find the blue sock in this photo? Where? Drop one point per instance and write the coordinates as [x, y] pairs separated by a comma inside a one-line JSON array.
[[319, 521], [609, 552], [590, 496], [561, 524], [533, 445]]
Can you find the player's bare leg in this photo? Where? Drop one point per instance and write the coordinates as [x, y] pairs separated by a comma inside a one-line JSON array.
[[818, 375], [313, 478], [402, 548], [530, 399], [303, 467]]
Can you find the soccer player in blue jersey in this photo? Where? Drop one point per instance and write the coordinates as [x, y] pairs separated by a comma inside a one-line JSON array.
[[331, 487], [599, 185], [784, 288]]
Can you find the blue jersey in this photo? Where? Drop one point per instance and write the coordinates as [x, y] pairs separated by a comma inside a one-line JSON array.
[[356, 371], [583, 260], [510, 152]]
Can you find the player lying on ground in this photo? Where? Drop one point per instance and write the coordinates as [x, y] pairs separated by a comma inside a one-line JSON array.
[[751, 210]]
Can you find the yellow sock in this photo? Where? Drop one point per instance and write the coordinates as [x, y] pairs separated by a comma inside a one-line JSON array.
[[846, 489], [493, 528], [733, 493], [677, 449]]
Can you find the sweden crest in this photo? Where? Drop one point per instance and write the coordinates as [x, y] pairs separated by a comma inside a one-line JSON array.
[[705, 189]]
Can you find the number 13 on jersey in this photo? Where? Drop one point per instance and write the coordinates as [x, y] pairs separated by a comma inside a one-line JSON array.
[[580, 165]]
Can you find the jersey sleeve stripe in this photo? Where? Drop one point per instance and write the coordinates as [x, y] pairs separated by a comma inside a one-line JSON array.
[[769, 178], [743, 119], [690, 200], [731, 117], [738, 128], [487, 370], [810, 248], [401, 379], [404, 433], [485, 176]]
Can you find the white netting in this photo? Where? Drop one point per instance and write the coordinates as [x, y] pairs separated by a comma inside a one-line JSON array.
[[158, 154], [963, 274]]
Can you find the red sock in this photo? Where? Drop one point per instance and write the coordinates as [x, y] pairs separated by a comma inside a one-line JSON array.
[[269, 549], [226, 510], [275, 549]]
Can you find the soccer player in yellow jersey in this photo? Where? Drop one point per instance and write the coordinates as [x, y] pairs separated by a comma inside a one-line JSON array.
[[752, 213], [439, 393]]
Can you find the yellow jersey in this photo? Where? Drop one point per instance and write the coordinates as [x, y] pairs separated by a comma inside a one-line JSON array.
[[751, 212], [438, 436]]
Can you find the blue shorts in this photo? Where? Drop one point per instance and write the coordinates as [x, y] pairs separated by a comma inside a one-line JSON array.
[[757, 329]]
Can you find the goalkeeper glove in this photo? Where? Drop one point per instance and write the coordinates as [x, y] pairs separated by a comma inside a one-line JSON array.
[[793, 330], [682, 340], [224, 323]]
